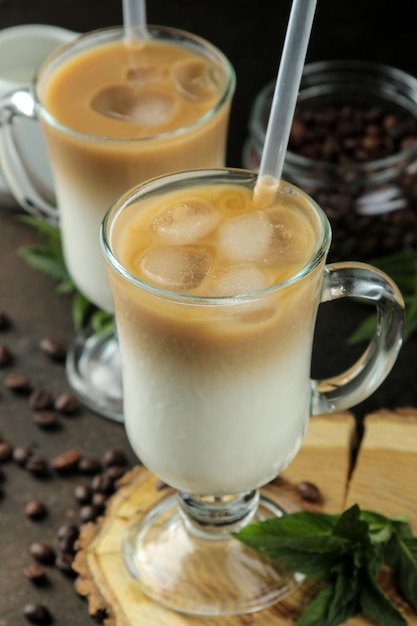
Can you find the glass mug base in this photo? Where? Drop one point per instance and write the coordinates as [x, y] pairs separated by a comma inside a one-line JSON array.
[[196, 567], [94, 372]]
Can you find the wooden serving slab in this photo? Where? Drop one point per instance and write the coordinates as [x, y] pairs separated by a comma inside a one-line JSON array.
[[378, 473]]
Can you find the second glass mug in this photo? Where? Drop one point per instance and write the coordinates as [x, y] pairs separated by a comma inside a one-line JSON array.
[[217, 388], [91, 170]]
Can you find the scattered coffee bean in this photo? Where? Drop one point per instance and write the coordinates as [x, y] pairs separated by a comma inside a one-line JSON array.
[[67, 536], [67, 403], [66, 461], [42, 552], [115, 472], [37, 614], [67, 529], [21, 455], [41, 399], [35, 573], [63, 562], [53, 348], [4, 321], [102, 484], [83, 494], [18, 383], [35, 510], [99, 501], [46, 419], [89, 513], [37, 466], [309, 491], [6, 451], [5, 356], [114, 457], [89, 466]]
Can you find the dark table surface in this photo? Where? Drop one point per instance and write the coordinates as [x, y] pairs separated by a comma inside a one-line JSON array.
[[251, 35]]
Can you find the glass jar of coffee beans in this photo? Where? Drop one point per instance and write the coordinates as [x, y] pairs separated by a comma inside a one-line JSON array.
[[353, 148]]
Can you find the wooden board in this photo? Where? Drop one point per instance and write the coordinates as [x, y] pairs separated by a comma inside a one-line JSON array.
[[325, 459]]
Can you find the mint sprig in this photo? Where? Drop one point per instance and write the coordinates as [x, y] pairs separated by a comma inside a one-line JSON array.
[[47, 257], [345, 551]]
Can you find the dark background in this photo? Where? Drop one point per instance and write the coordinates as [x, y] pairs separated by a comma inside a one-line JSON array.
[[251, 34]]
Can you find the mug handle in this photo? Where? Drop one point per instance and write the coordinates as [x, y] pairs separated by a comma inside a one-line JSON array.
[[369, 285], [20, 103]]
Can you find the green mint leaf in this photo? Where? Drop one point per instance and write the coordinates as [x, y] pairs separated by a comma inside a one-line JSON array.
[[303, 523], [39, 259], [350, 526], [401, 555], [377, 605], [51, 231], [81, 308], [327, 608], [303, 541], [380, 526]]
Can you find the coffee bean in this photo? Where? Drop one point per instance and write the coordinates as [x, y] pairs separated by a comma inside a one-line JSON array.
[[67, 403], [37, 614], [45, 419], [102, 484], [37, 466], [89, 513], [115, 472], [66, 461], [36, 573], [42, 552], [114, 457], [66, 541], [41, 399], [18, 383], [5, 356], [21, 455], [35, 510], [83, 494], [64, 562], [4, 321], [99, 501], [53, 348], [89, 466], [6, 451], [67, 530], [309, 491]]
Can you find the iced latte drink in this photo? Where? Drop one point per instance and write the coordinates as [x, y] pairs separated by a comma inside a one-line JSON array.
[[116, 113], [215, 312]]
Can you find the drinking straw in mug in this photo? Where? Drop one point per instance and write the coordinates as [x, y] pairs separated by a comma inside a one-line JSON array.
[[134, 19], [284, 100]]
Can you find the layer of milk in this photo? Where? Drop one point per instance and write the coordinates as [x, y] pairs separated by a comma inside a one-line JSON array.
[[216, 431]]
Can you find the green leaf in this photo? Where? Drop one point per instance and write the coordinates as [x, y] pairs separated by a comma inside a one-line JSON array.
[[401, 555], [81, 308], [38, 259], [377, 605], [303, 541], [328, 608]]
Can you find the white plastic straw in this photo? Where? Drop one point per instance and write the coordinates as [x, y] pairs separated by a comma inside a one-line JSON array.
[[285, 99], [134, 19]]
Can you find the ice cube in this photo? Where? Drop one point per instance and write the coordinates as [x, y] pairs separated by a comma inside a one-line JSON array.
[[196, 80], [238, 280], [186, 222], [293, 238], [144, 74], [134, 105], [175, 268], [246, 237]]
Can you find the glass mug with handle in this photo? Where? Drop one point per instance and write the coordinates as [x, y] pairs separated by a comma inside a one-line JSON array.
[[215, 304], [114, 113]]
